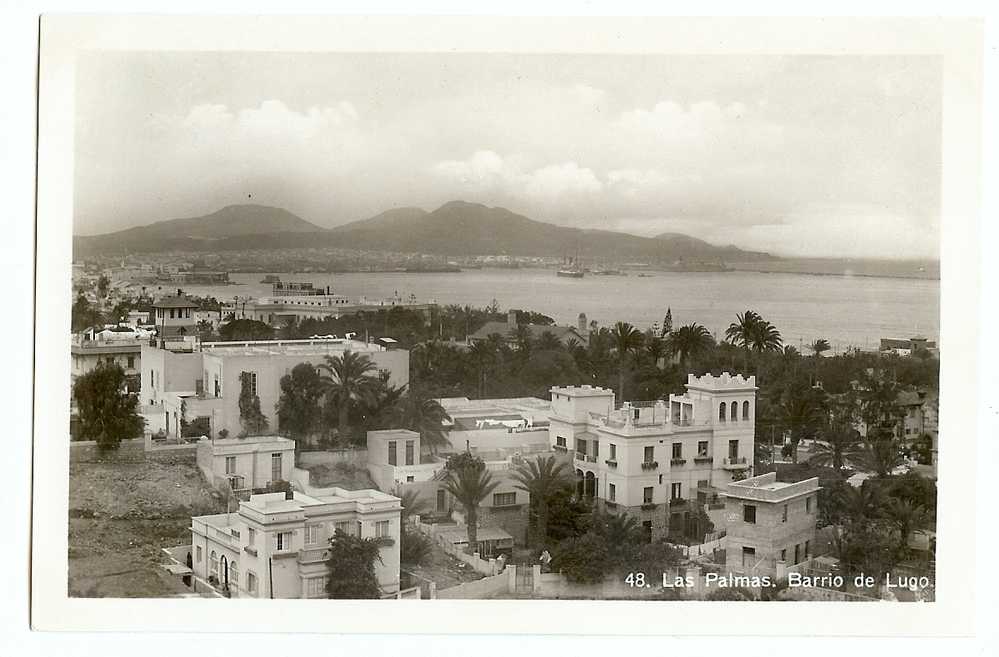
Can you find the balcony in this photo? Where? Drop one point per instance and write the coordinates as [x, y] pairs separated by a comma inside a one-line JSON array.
[[560, 448], [650, 506], [677, 502], [313, 556], [702, 458], [677, 461], [610, 505], [735, 463], [650, 465], [611, 463]]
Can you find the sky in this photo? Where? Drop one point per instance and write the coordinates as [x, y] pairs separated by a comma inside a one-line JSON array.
[[817, 156]]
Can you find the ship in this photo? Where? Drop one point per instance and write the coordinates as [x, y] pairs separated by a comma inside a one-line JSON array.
[[570, 268]]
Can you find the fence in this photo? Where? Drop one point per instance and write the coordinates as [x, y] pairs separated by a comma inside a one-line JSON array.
[[482, 588], [486, 567], [135, 450]]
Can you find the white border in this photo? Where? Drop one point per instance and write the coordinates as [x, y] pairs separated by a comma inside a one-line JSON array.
[[958, 40]]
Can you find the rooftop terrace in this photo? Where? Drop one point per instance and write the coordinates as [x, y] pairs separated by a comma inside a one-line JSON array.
[[288, 347]]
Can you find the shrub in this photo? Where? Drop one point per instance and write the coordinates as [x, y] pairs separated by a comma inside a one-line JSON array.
[[414, 548]]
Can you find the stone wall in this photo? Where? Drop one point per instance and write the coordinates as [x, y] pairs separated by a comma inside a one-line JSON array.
[[130, 451]]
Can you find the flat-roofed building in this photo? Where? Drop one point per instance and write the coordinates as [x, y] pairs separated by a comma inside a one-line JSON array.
[[770, 524], [653, 459], [248, 463], [276, 547]]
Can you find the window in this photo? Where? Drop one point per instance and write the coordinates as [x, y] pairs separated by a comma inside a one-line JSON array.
[[721, 412], [674, 492], [251, 582], [783, 555], [392, 453], [276, 467], [441, 506], [611, 492], [344, 526], [560, 440], [678, 450], [131, 362], [171, 313], [808, 546], [613, 452], [410, 479], [808, 505], [650, 454], [409, 452], [316, 586], [797, 553], [702, 448], [218, 389], [735, 411], [647, 495], [504, 499], [311, 534], [382, 529], [745, 410], [230, 465], [253, 381], [749, 513], [733, 449], [213, 563], [596, 448], [234, 574], [197, 554], [783, 517], [284, 541], [580, 445], [251, 536], [748, 557]]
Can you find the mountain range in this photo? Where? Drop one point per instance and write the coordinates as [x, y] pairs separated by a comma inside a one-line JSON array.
[[457, 228]]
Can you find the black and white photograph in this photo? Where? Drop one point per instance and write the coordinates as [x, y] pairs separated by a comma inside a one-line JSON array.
[[537, 324]]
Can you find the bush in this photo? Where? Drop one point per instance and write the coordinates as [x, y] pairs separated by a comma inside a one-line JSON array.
[[414, 548]]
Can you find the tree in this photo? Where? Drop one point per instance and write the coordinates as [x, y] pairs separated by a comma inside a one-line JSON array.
[[766, 338], [298, 409], [240, 330], [348, 380], [687, 342], [412, 505], [818, 347], [250, 416], [741, 332], [426, 417], [549, 342], [469, 482], [107, 412], [541, 479], [839, 442], [905, 517], [800, 411], [880, 456], [351, 566], [627, 340], [103, 286], [583, 559], [483, 356], [568, 515], [414, 547], [84, 314]]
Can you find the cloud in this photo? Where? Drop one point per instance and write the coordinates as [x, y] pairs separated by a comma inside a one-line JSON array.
[[487, 171]]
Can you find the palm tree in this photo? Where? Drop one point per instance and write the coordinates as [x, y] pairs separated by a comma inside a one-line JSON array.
[[470, 486], [766, 337], [818, 347], [541, 479], [549, 342], [860, 503], [879, 456], [655, 349], [878, 407], [741, 331], [483, 356], [426, 417], [800, 410], [838, 445], [688, 342], [348, 380], [905, 517], [522, 337], [627, 339]]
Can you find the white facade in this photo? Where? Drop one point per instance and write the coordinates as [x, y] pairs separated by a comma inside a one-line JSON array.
[[652, 459], [275, 547], [247, 463]]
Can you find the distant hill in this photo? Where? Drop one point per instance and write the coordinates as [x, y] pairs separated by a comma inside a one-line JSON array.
[[457, 228], [230, 221]]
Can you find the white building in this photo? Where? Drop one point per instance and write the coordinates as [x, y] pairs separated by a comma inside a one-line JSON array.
[[652, 459], [274, 547], [247, 463]]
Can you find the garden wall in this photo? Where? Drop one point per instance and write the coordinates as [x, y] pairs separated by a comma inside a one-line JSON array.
[[135, 450], [358, 457], [482, 588]]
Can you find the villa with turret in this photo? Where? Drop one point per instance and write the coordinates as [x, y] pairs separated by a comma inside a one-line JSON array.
[[653, 459]]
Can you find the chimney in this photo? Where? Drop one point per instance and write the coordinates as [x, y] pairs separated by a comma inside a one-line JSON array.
[[582, 323], [511, 317]]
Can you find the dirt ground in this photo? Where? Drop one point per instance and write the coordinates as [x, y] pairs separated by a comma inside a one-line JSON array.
[[344, 476], [444, 570], [120, 517]]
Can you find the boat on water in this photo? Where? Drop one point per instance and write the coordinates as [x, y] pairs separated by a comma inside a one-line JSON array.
[[270, 279], [571, 268]]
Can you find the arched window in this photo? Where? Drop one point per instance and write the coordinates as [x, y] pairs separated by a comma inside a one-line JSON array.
[[233, 574], [745, 410], [213, 560], [735, 411], [721, 412]]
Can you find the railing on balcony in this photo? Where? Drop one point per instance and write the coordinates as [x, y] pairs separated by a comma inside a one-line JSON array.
[[590, 458], [580, 456], [650, 506], [314, 555], [650, 465], [677, 501], [560, 448], [677, 461], [736, 462], [702, 458], [611, 463], [682, 422]]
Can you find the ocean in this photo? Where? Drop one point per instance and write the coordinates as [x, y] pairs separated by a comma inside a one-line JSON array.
[[848, 311]]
